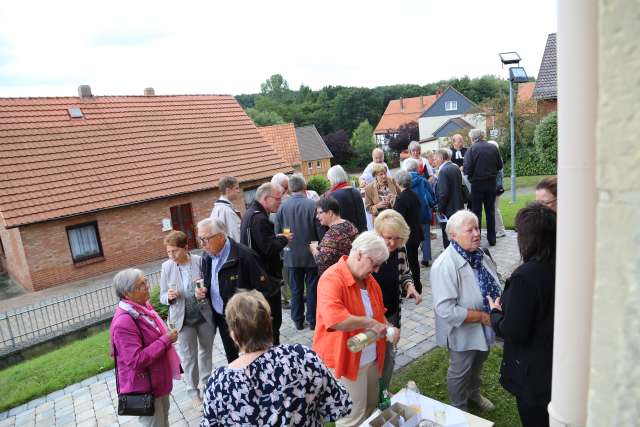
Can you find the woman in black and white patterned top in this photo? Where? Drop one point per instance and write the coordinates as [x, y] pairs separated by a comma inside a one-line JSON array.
[[266, 385]]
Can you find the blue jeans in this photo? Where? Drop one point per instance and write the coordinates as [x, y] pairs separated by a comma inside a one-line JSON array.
[[297, 278], [426, 243]]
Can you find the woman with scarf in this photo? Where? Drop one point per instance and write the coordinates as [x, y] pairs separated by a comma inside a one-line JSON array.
[[462, 278], [349, 199], [146, 361], [381, 193]]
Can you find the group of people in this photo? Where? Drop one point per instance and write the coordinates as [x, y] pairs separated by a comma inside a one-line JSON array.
[[349, 258]]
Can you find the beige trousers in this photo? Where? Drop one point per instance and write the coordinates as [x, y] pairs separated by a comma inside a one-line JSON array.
[[364, 394], [161, 416]]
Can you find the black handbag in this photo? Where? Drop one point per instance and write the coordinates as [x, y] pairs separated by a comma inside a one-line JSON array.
[[138, 404]]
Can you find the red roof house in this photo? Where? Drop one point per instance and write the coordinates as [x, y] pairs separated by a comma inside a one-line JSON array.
[[400, 112]]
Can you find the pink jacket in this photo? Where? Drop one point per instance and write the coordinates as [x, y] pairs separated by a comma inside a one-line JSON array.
[[137, 359]]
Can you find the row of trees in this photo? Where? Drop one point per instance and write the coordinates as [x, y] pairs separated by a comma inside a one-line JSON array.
[[345, 116]]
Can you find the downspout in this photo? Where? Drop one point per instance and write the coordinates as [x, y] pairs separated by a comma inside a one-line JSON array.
[[577, 50]]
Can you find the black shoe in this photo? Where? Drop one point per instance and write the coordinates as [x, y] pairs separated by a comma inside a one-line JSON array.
[[426, 263], [312, 327], [299, 325], [492, 244]]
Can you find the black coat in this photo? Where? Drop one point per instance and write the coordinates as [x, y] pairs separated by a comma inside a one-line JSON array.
[[526, 325], [351, 207], [482, 162], [454, 156], [408, 205], [264, 241], [241, 270], [449, 189]]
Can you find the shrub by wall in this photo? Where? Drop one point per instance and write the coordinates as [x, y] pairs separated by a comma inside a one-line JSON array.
[[319, 184], [161, 309]]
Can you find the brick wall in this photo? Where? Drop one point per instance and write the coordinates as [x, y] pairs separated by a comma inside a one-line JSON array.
[[546, 106], [307, 172], [13, 259], [130, 236]]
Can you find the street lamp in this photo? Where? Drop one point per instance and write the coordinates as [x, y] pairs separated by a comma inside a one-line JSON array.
[[516, 75]]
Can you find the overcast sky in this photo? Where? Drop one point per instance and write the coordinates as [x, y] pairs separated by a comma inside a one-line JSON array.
[[118, 47]]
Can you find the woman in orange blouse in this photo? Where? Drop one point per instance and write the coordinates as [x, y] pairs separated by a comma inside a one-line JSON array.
[[349, 302]]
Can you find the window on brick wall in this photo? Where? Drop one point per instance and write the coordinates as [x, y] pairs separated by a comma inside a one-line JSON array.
[[310, 165], [318, 164], [84, 241]]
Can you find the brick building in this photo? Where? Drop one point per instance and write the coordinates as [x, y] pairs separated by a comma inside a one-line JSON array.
[[546, 88], [92, 184]]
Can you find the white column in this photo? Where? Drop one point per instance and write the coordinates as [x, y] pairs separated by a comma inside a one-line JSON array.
[[577, 106]]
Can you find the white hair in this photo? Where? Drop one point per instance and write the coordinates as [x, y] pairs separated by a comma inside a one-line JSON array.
[[457, 220], [410, 164], [371, 244], [337, 175], [476, 135], [413, 145], [214, 224], [280, 178], [123, 281], [403, 179]]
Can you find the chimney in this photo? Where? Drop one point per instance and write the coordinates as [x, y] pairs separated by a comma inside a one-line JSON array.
[[84, 91], [148, 91], [401, 105], [421, 103], [438, 93]]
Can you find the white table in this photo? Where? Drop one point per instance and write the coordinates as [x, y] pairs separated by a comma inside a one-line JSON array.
[[455, 417]]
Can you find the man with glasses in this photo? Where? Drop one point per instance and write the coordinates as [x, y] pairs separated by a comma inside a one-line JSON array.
[[258, 233], [226, 267], [547, 192]]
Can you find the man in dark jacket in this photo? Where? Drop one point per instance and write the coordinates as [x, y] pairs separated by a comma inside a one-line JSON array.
[[258, 233], [226, 267], [448, 189], [481, 164]]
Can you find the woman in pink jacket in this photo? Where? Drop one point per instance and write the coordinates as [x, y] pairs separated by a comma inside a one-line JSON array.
[[142, 346]]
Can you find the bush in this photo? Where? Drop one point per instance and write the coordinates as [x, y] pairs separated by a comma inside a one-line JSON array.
[[319, 184], [545, 139], [161, 309], [542, 157]]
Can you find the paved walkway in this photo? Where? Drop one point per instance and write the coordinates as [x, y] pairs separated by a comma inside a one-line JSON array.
[[92, 401]]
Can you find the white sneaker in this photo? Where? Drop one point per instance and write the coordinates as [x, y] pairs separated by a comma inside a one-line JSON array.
[[501, 234], [483, 403]]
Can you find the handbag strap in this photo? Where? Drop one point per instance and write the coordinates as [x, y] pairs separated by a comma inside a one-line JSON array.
[[115, 358]]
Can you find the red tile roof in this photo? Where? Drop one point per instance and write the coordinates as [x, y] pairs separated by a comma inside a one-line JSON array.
[[283, 139], [399, 113], [124, 150]]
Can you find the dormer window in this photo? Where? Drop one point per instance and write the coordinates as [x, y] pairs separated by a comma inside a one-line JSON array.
[[451, 105]]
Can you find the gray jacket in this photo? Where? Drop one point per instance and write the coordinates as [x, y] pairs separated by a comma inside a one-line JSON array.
[[298, 213], [170, 274], [455, 290]]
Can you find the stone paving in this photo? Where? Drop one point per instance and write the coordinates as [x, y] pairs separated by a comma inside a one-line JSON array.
[[92, 401]]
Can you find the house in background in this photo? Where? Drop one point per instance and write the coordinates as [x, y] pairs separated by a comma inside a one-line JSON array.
[[525, 104], [546, 88], [451, 113], [400, 112], [92, 184], [302, 148]]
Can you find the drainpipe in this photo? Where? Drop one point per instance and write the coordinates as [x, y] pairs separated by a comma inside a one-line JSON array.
[[577, 49]]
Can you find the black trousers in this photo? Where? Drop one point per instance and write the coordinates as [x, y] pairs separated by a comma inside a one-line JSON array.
[[484, 193], [532, 415], [275, 303], [445, 239], [230, 349], [414, 264]]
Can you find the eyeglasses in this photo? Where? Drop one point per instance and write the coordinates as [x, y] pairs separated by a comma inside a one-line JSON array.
[[140, 286], [206, 239], [549, 203]]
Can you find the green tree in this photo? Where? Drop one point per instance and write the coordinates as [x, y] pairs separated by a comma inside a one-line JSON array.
[[545, 139], [275, 86], [264, 118], [362, 143]]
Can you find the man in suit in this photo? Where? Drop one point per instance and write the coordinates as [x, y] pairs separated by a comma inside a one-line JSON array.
[[258, 232], [481, 164], [298, 214], [448, 188], [226, 266]]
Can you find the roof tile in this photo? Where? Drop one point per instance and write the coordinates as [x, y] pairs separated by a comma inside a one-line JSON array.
[[403, 111]]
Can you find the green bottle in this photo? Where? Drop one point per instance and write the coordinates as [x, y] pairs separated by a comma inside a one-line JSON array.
[[384, 397]]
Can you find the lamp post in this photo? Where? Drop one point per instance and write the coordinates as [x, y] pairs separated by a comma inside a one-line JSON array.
[[516, 75]]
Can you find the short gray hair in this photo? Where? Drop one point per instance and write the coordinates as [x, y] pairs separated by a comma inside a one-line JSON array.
[[337, 175], [372, 245], [279, 178], [476, 135], [216, 225], [297, 183], [123, 281], [444, 154], [266, 190], [411, 165], [456, 221], [403, 179], [413, 145]]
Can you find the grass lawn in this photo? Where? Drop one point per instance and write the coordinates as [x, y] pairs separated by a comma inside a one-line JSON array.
[[430, 374], [523, 181], [53, 371], [509, 210]]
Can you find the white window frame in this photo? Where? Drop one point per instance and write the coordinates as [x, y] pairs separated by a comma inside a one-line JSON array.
[[450, 105]]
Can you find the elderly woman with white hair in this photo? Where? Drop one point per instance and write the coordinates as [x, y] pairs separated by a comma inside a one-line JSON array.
[[349, 302], [428, 202], [142, 347], [348, 198], [424, 168], [462, 278]]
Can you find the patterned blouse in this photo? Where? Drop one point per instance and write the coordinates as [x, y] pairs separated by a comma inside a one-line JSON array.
[[287, 385], [335, 243]]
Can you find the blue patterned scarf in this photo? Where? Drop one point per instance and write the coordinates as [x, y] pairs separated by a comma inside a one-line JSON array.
[[488, 285]]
